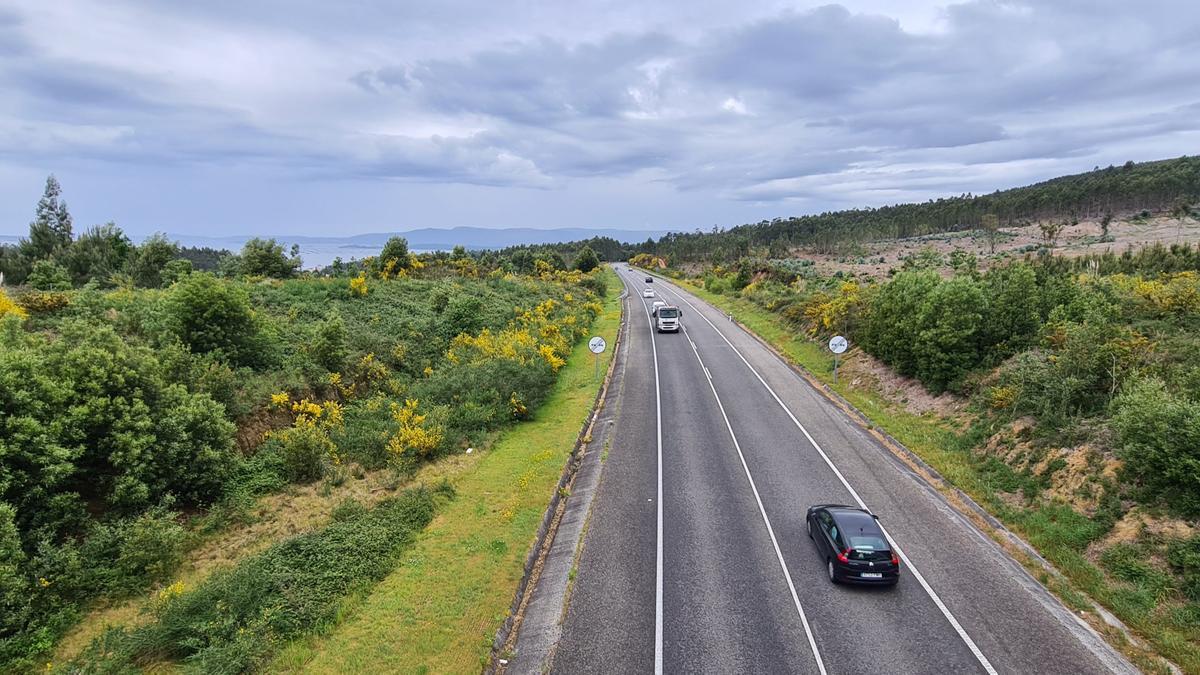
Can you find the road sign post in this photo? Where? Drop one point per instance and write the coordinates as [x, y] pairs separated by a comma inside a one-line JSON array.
[[837, 345], [597, 346]]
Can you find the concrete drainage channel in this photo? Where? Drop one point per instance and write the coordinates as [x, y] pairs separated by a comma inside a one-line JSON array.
[[536, 612]]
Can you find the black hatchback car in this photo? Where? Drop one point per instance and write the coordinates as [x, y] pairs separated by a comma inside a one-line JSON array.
[[649, 280], [852, 545]]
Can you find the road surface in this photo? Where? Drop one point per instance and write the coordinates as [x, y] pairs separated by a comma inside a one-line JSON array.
[[696, 559]]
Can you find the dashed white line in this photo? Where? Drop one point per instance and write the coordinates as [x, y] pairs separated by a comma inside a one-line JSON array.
[[658, 563], [962, 633], [812, 642]]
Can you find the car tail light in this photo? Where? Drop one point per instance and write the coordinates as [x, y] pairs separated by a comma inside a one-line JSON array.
[[895, 560], [842, 556]]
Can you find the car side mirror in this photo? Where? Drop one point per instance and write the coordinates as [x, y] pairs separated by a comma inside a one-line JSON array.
[[875, 516]]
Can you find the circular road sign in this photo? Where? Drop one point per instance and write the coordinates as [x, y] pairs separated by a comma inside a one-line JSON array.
[[838, 344], [597, 344]]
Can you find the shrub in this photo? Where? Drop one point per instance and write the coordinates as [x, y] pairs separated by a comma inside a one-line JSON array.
[[175, 270], [42, 302], [347, 509], [1184, 557], [90, 413], [394, 259], [7, 307], [98, 254], [305, 449], [1159, 435], [266, 258], [130, 554], [596, 284], [212, 316], [329, 345], [586, 260], [14, 585], [891, 325], [152, 256], [47, 275]]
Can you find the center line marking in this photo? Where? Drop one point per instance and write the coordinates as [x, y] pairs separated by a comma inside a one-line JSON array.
[[762, 511], [962, 633], [658, 569]]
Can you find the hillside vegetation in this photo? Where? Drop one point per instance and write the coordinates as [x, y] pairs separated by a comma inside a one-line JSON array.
[[140, 422]]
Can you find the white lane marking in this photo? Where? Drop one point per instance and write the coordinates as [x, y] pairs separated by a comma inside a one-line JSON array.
[[812, 642], [658, 563], [962, 633]]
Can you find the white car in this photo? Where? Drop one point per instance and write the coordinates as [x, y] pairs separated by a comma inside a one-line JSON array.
[[648, 293]]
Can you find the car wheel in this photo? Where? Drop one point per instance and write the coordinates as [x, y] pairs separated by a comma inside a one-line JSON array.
[[832, 574]]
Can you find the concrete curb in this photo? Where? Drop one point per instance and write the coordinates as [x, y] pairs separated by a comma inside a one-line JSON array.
[[550, 519]]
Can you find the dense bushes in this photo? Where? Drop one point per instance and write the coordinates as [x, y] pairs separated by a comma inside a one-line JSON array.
[[90, 417], [210, 316], [1033, 339], [120, 411], [1159, 436]]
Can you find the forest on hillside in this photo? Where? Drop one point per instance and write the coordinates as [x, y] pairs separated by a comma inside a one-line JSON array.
[[1149, 186]]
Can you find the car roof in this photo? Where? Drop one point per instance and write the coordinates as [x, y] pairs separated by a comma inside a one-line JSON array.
[[850, 518]]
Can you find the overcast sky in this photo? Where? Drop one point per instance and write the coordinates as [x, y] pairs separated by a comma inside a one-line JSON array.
[[305, 117]]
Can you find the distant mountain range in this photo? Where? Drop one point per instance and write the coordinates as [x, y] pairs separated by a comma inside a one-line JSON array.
[[434, 239]]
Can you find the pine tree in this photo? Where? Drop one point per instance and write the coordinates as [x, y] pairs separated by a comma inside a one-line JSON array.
[[50, 232]]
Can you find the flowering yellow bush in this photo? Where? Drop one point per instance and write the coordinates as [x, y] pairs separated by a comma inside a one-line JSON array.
[[412, 436], [358, 285], [828, 312], [1177, 293], [7, 306], [551, 358], [281, 399], [173, 591], [42, 301]]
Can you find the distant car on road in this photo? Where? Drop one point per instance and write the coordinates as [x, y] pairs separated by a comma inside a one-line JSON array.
[[648, 293], [852, 545], [649, 280]]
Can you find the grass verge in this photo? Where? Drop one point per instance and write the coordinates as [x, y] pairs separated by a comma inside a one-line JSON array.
[[1058, 533], [439, 610]]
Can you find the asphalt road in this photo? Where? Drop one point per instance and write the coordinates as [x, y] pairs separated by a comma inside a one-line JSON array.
[[718, 574]]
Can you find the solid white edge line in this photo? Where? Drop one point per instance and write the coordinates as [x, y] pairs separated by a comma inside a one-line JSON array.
[[962, 633], [812, 642], [658, 563]]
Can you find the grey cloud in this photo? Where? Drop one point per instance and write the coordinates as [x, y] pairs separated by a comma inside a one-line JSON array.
[[810, 106]]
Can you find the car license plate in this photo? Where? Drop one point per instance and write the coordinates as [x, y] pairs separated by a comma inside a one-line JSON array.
[[872, 575]]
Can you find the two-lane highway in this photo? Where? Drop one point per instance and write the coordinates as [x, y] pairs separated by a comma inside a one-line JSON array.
[[696, 557]]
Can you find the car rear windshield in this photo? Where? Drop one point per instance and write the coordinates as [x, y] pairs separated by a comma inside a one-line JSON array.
[[668, 312], [867, 542]]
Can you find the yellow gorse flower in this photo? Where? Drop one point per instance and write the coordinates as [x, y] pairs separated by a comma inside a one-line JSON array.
[[174, 590], [7, 306], [412, 435]]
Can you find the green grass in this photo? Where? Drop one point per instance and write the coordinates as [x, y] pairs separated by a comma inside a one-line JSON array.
[[1059, 534], [439, 610]]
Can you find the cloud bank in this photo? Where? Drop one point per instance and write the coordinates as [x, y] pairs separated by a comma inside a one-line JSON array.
[[479, 113]]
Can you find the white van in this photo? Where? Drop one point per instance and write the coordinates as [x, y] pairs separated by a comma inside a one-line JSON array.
[[666, 318]]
